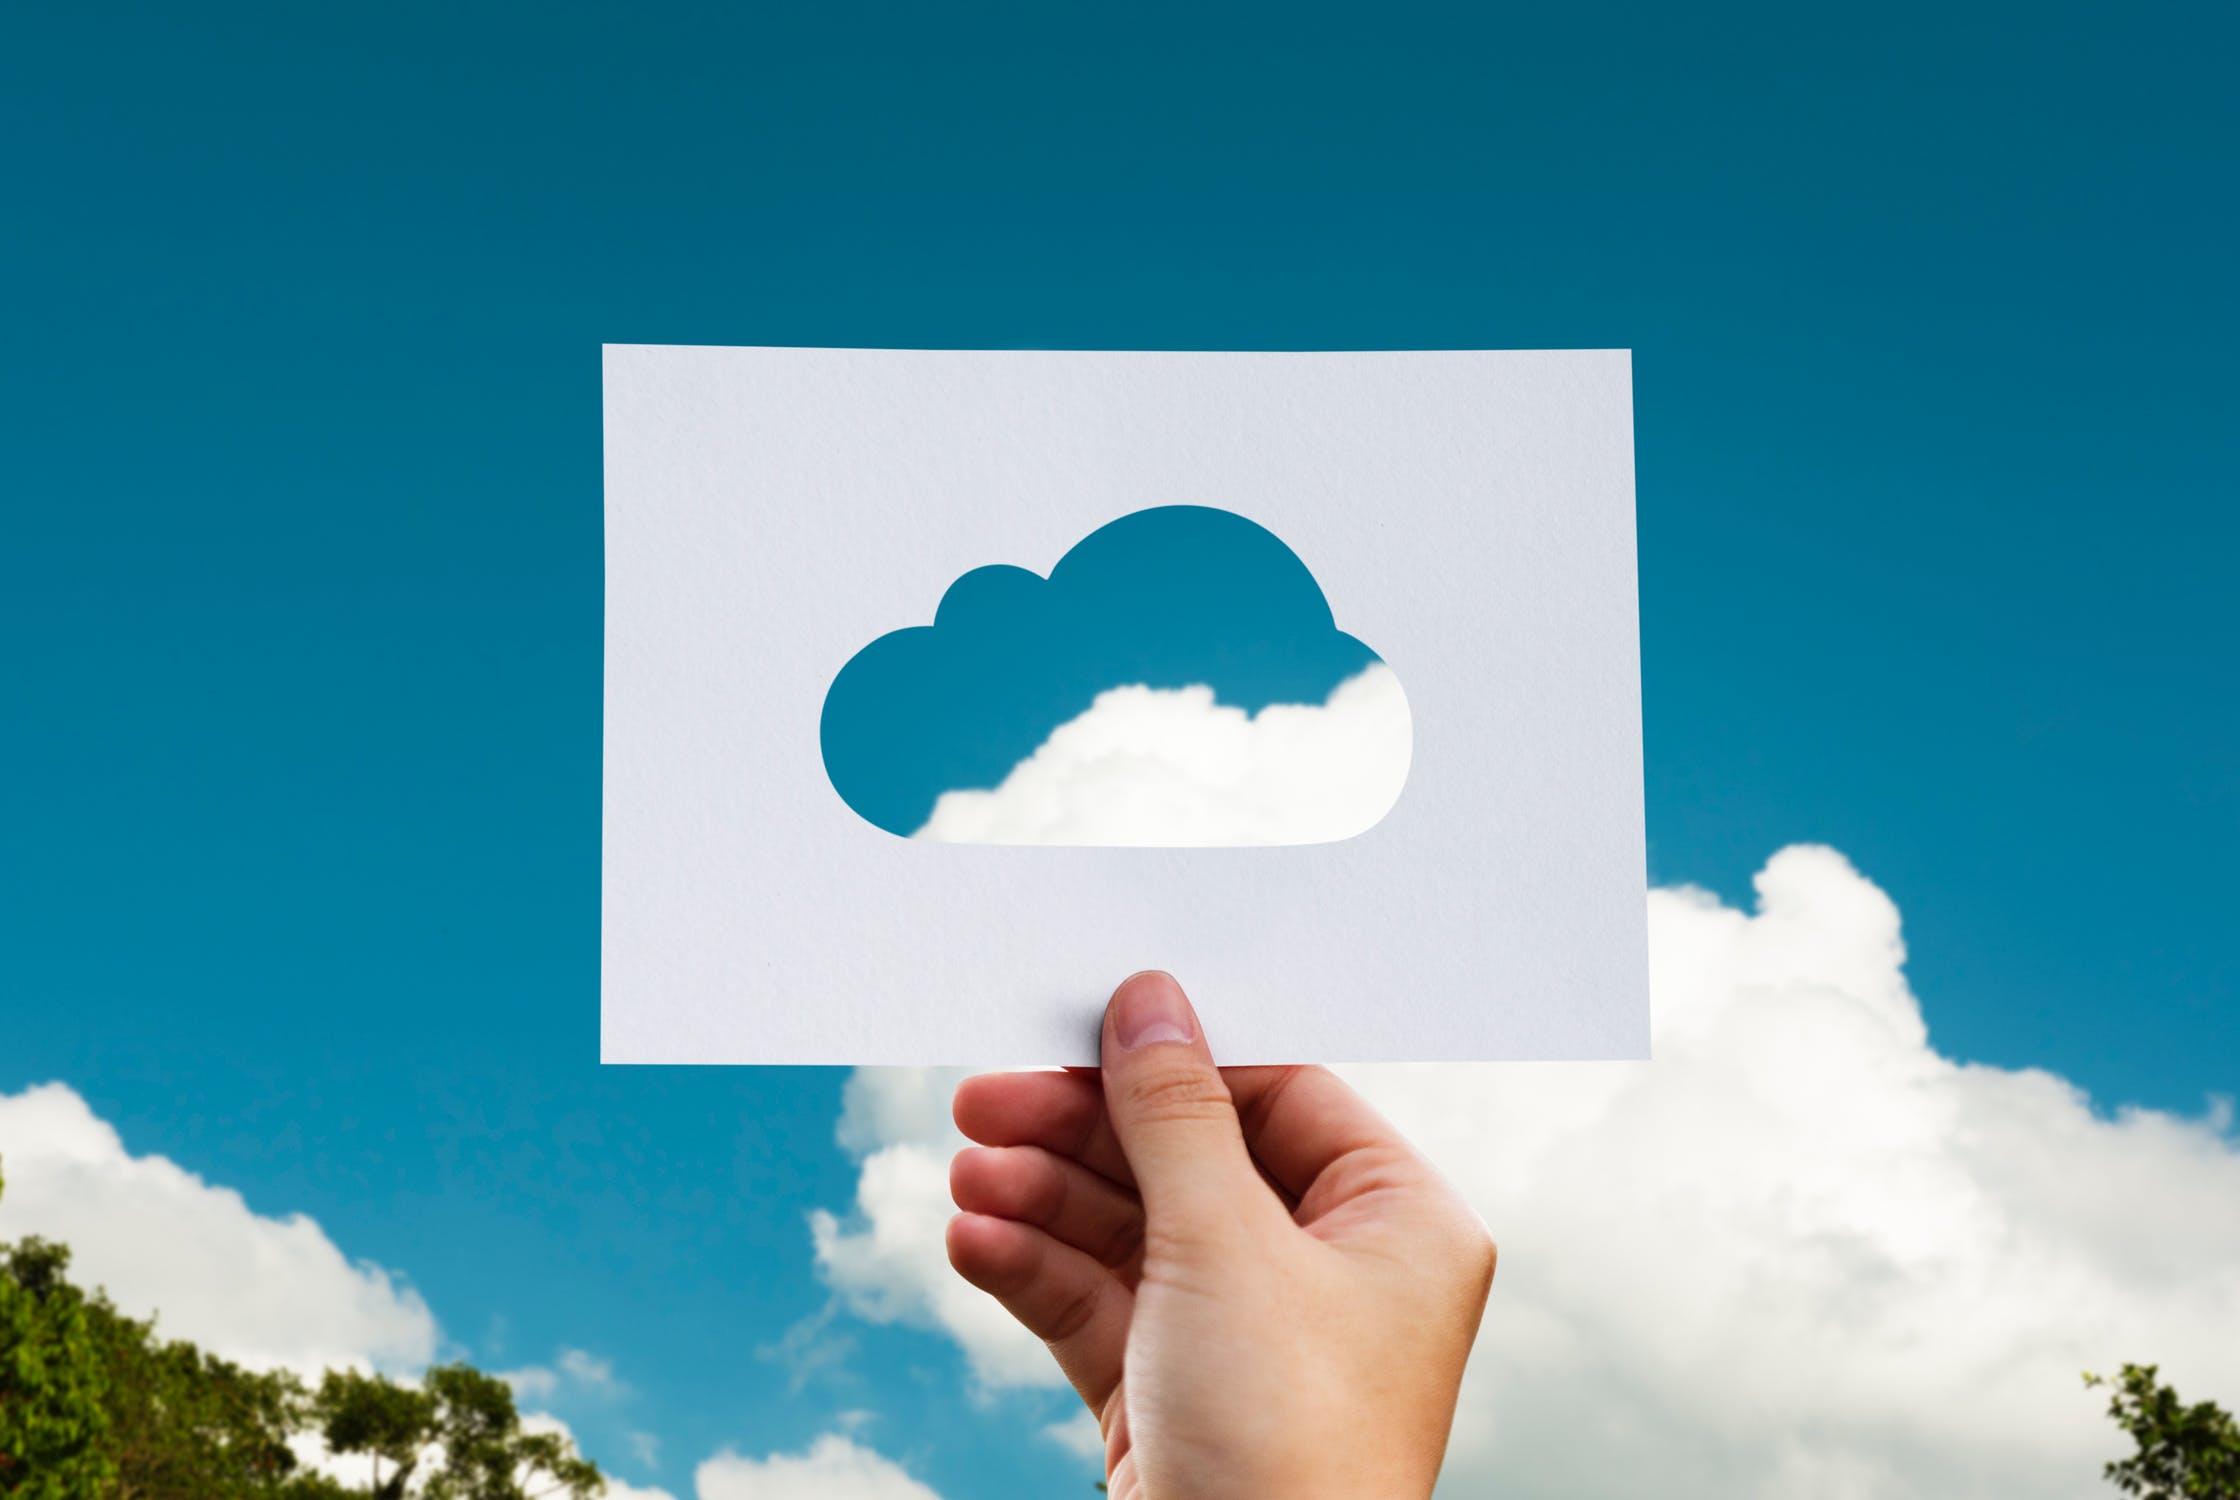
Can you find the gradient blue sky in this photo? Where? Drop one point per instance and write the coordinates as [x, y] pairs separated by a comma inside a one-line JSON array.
[[299, 826]]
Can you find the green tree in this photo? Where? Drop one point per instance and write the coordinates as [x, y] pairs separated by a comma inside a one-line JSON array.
[[186, 1425], [374, 1417], [54, 1414], [2185, 1452], [91, 1402], [460, 1431], [94, 1403]]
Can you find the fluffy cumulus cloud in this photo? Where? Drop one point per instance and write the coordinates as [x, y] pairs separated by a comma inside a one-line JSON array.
[[1173, 768], [832, 1468], [265, 1291], [888, 1264], [1800, 1253]]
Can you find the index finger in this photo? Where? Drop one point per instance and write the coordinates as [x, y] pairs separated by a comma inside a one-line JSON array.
[[1060, 1112], [1298, 1121], [1301, 1121]]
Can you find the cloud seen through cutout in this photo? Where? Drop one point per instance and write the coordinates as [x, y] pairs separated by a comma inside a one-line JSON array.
[[1178, 680]]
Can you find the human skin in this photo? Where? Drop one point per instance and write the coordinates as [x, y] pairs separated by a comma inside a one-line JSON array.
[[1256, 1285]]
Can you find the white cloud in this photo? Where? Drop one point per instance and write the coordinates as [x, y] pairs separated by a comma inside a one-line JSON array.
[[884, 1270], [1078, 1434], [812, 1349], [1801, 1253], [886, 1261], [580, 1371], [590, 1371], [534, 1383], [1172, 767], [618, 1490], [538, 1421], [276, 1292], [833, 1468], [885, 1106], [264, 1291]]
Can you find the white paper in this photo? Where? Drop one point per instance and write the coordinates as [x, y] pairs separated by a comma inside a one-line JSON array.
[[1469, 516]]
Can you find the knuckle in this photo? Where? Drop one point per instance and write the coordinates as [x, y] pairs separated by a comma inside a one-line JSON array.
[[1123, 1243], [1483, 1255], [1043, 1199], [1186, 1093], [1466, 1251], [1183, 1240], [1072, 1315], [965, 1172]]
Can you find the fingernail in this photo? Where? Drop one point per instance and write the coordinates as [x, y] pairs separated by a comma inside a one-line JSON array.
[[1150, 1008]]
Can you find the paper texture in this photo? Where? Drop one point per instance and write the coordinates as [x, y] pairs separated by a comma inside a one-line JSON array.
[[769, 512]]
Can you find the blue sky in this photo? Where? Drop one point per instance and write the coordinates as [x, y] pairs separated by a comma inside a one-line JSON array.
[[301, 583]]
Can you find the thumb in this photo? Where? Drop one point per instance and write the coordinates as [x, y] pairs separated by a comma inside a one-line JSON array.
[[1169, 1108]]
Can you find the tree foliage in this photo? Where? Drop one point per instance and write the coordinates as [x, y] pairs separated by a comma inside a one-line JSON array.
[[185, 1425], [2184, 1452], [94, 1403], [55, 1423], [457, 1436]]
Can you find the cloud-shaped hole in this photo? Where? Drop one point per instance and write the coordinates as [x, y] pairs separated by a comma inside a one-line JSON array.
[[1177, 680]]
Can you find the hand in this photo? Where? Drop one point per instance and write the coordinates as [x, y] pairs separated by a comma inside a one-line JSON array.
[[1259, 1289]]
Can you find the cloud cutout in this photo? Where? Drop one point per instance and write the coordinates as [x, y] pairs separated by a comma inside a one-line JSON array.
[[1164, 600]]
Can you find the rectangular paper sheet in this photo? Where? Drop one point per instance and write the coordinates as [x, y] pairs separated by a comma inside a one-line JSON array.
[[1469, 516]]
